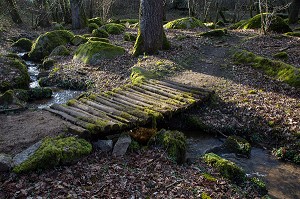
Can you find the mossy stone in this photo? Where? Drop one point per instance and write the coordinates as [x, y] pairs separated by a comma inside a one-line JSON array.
[[260, 185], [60, 51], [238, 24], [281, 55], [6, 98], [45, 43], [184, 23], [48, 63], [238, 145], [78, 39], [54, 152], [173, 141], [214, 33], [92, 26], [58, 26], [92, 51], [227, 168], [210, 25], [39, 93], [277, 23], [96, 20], [100, 33], [129, 36], [113, 28], [98, 39], [280, 70], [293, 34], [23, 43]]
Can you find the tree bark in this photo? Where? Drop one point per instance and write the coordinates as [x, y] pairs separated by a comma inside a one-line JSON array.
[[78, 15], [43, 18], [14, 12], [151, 37], [294, 11]]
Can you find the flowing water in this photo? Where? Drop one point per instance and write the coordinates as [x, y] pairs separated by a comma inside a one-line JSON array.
[[282, 179], [59, 96]]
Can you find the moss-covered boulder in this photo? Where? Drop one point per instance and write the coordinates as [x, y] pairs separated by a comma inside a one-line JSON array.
[[281, 55], [214, 33], [238, 145], [227, 168], [96, 20], [113, 28], [184, 23], [129, 36], [23, 44], [48, 63], [45, 43], [6, 98], [55, 151], [280, 70], [98, 39], [92, 51], [39, 93], [78, 39], [172, 141], [13, 74], [277, 23], [57, 26], [60, 51], [92, 26], [102, 33], [238, 24]]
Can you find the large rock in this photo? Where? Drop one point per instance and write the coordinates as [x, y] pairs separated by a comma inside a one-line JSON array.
[[114, 28], [104, 145], [121, 146], [184, 23], [26, 154], [13, 74], [92, 51], [60, 51], [5, 162], [23, 44], [46, 43]]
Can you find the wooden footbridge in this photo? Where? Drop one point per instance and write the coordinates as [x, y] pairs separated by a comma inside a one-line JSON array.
[[128, 106]]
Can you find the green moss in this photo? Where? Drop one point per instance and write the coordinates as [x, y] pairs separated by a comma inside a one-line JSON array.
[[23, 43], [71, 102], [113, 28], [214, 33], [55, 151], [281, 55], [60, 51], [291, 153], [139, 74], [6, 98], [227, 168], [129, 21], [92, 26], [39, 93], [205, 196], [129, 36], [45, 43], [238, 25], [100, 33], [174, 142], [96, 20], [277, 23], [252, 92], [58, 26], [137, 48], [184, 23], [78, 39], [134, 146], [210, 25], [238, 145], [259, 184], [281, 71], [92, 51], [48, 63], [220, 23], [209, 177], [98, 39], [166, 44], [293, 34]]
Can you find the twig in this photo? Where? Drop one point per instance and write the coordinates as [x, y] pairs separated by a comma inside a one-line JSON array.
[[176, 182]]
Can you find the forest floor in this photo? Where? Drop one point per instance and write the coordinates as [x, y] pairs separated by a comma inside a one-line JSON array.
[[246, 102]]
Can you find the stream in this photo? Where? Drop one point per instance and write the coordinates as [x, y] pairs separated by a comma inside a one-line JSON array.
[[282, 179], [59, 96]]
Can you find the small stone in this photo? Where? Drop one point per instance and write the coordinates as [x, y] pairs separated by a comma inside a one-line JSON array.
[[24, 155], [5, 162], [121, 146], [104, 145]]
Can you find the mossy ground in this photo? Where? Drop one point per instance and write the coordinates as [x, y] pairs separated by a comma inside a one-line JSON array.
[[55, 151], [280, 70], [184, 23]]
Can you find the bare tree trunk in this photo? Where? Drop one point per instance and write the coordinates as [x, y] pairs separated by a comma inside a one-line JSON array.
[[65, 4], [43, 18], [294, 11], [14, 12], [151, 37], [78, 15]]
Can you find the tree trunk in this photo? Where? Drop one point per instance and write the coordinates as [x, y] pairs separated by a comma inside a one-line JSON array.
[[43, 18], [151, 37], [294, 11], [78, 15], [14, 12], [65, 4]]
